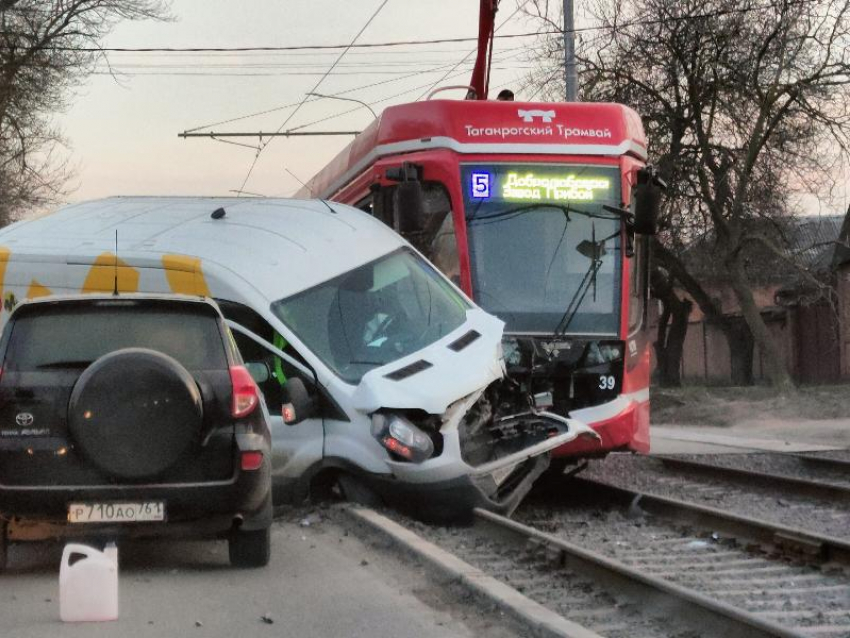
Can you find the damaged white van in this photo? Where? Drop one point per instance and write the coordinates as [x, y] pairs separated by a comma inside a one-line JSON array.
[[376, 369]]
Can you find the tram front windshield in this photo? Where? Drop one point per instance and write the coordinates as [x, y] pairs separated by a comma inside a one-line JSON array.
[[544, 252]]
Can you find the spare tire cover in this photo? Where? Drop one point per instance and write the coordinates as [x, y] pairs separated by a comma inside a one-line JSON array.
[[134, 412]]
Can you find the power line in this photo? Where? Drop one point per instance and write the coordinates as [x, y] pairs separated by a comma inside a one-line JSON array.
[[271, 74], [385, 99], [315, 88], [340, 93], [391, 44], [305, 47], [293, 133], [466, 57]]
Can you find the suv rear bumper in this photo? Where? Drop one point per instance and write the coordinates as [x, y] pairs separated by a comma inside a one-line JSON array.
[[210, 509]]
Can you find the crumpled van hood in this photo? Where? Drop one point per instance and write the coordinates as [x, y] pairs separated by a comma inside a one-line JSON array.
[[450, 376]]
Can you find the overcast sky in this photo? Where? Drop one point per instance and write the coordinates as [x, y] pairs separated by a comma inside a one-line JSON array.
[[123, 137]]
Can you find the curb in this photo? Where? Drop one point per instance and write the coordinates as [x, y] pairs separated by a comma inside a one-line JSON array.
[[534, 617]]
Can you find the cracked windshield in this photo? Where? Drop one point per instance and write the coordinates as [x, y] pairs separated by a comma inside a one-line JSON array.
[[375, 314], [544, 251]]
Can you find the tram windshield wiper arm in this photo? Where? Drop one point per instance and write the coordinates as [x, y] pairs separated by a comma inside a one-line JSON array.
[[595, 251]]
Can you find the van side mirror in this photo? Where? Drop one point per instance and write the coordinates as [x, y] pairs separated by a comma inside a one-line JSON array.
[[298, 405], [258, 370], [647, 195]]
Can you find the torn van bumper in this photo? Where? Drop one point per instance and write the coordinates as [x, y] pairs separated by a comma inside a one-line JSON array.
[[449, 487], [458, 444]]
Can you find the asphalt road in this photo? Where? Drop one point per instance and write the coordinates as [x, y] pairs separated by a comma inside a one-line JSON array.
[[322, 581]]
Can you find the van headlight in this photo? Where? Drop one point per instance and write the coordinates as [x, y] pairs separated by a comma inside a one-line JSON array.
[[401, 437]]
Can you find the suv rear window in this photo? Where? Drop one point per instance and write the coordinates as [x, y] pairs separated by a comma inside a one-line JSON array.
[[77, 335]]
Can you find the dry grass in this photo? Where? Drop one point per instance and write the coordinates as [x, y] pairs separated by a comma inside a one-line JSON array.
[[699, 405]]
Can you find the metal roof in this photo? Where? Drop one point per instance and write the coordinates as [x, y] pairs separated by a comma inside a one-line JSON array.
[[282, 246]]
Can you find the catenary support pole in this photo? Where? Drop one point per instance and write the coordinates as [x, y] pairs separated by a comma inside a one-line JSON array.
[[570, 77]]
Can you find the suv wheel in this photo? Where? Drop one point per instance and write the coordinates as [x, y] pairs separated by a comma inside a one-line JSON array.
[[250, 548]]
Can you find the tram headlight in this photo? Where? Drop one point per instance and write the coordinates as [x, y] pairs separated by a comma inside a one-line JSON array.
[[401, 437]]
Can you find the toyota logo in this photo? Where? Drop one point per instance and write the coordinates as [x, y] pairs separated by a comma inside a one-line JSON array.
[[24, 419]]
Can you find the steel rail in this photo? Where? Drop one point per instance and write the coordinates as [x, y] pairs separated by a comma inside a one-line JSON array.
[[724, 619], [802, 487], [823, 462], [789, 540]]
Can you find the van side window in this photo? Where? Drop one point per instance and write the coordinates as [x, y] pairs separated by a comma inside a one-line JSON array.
[[252, 352]]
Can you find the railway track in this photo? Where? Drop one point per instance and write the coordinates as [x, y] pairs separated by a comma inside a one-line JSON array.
[[806, 476], [793, 577], [626, 563], [793, 493], [649, 580]]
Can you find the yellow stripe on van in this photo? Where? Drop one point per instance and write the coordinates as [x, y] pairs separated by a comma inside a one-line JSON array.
[[5, 253], [101, 276], [185, 276], [37, 290]]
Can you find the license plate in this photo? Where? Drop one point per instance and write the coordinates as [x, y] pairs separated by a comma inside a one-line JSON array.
[[116, 512]]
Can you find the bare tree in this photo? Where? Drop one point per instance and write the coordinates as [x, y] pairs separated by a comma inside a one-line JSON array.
[[744, 101], [46, 48]]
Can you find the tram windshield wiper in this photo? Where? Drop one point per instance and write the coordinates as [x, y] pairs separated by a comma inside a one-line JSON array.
[[595, 251]]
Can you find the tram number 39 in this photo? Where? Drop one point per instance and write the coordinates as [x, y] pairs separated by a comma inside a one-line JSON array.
[[606, 382]]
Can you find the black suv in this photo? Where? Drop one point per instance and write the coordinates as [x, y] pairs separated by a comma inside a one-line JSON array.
[[131, 416]]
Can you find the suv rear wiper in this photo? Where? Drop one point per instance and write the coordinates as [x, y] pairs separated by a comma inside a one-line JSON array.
[[64, 364]]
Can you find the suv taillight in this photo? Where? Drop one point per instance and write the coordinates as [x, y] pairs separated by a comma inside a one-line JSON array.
[[245, 395]]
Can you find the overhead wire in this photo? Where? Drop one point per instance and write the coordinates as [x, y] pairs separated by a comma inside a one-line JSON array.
[[385, 99], [263, 74], [337, 94], [263, 146], [398, 43], [466, 57]]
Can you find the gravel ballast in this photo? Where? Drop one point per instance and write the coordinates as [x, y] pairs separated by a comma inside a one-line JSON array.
[[649, 475]]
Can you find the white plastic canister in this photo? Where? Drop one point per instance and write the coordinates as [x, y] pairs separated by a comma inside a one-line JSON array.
[[88, 587]]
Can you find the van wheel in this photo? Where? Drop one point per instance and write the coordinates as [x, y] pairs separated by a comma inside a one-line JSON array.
[[356, 491], [250, 548]]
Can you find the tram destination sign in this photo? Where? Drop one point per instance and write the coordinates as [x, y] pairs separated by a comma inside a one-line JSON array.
[[540, 184]]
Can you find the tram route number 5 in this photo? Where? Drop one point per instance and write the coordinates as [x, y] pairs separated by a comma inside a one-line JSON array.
[[606, 382]]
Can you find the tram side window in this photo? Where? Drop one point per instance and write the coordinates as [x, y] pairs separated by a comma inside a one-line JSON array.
[[436, 238], [639, 283]]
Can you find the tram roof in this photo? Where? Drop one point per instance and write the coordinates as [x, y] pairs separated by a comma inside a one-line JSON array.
[[484, 127]]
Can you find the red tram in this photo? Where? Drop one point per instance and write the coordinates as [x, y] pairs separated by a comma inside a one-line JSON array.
[[541, 212]]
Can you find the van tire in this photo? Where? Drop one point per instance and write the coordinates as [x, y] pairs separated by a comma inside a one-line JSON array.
[[356, 491], [250, 548], [125, 433]]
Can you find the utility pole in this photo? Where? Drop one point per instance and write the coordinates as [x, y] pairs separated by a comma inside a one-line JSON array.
[[570, 76]]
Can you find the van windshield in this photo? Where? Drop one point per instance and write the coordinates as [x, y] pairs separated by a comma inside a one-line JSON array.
[[375, 314]]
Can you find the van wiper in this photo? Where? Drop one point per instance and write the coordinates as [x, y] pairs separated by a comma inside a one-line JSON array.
[[64, 364]]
